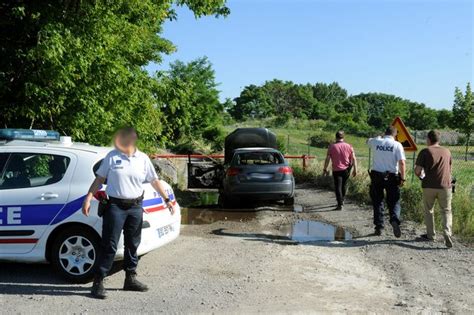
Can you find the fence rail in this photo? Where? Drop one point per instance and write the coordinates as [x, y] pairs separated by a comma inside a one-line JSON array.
[[305, 158]]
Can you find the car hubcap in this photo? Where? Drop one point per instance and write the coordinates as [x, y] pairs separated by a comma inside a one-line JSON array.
[[77, 255]]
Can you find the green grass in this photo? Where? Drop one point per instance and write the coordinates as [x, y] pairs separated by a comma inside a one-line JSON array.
[[298, 133]]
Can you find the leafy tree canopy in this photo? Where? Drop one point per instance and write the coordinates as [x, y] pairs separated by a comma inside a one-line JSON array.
[[78, 65], [463, 113], [187, 96], [330, 102]]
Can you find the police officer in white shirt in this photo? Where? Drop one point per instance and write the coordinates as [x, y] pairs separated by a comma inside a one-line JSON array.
[[126, 170], [387, 174]]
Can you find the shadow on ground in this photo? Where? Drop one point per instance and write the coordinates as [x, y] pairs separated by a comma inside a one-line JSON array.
[[356, 242], [39, 279]]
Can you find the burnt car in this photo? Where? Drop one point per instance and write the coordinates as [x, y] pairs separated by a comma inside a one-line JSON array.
[[257, 174]]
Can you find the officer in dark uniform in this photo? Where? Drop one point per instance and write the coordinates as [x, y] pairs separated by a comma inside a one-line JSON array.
[[126, 170], [387, 175]]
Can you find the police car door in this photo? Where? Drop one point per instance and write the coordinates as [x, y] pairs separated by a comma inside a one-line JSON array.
[[34, 188]]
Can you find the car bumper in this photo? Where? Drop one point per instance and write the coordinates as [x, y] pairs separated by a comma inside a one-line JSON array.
[[262, 191]]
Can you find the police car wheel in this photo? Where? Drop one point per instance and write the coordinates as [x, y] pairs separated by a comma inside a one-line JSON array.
[[74, 254]]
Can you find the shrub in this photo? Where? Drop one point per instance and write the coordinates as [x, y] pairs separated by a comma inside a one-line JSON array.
[[189, 146], [280, 120], [321, 140], [282, 144], [215, 136]]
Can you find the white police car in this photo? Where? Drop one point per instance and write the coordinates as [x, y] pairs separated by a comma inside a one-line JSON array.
[[43, 180]]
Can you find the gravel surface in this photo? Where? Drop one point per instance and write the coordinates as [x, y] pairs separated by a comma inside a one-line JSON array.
[[247, 264]]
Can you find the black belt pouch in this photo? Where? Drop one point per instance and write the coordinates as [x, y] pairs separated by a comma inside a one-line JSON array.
[[104, 205]]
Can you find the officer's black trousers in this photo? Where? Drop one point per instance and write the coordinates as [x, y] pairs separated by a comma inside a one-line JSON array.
[[340, 181], [390, 185], [115, 220]]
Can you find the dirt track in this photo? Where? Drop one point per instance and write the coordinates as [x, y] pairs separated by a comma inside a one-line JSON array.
[[250, 267]]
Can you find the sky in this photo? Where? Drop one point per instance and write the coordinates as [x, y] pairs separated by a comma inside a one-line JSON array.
[[417, 49]]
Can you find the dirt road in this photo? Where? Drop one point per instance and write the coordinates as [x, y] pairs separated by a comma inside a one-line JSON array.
[[249, 263]]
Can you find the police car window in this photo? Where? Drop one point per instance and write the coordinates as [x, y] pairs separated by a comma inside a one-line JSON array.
[[3, 161], [23, 170]]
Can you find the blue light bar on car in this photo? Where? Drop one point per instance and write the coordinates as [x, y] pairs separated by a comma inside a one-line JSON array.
[[28, 134]]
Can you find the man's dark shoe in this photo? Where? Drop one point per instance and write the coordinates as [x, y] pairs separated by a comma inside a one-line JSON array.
[[339, 207], [98, 291], [425, 238], [448, 241], [396, 229], [132, 284], [378, 231]]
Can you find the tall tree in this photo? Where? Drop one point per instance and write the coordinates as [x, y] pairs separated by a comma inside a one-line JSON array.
[[420, 117], [187, 96], [78, 65], [463, 113], [445, 118], [252, 102], [331, 93]]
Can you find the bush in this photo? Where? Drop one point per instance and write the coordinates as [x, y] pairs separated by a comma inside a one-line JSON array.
[[350, 126], [321, 140], [215, 136], [280, 120], [282, 144], [190, 146], [462, 140]]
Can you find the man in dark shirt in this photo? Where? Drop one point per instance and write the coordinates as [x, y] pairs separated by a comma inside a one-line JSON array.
[[433, 166]]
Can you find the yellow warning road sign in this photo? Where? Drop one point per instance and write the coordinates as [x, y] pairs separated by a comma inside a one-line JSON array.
[[403, 136]]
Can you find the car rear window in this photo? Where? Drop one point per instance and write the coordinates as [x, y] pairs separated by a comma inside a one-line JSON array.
[[258, 158]]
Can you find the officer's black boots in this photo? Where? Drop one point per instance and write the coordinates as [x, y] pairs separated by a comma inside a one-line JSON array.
[[98, 291], [132, 284], [396, 229], [378, 231]]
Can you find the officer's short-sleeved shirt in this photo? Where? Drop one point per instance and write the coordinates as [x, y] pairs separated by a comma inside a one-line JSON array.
[[126, 174], [387, 152]]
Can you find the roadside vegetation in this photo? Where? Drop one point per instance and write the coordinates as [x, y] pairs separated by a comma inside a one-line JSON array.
[[311, 137]]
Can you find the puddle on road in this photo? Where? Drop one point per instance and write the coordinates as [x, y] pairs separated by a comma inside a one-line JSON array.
[[300, 231], [201, 208], [310, 231]]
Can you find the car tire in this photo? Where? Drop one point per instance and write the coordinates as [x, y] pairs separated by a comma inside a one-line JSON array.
[[222, 201], [289, 201], [75, 254], [227, 202]]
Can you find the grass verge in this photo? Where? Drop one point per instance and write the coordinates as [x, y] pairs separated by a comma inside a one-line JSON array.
[[411, 199]]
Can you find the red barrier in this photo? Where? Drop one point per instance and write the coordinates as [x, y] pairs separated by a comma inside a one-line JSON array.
[[304, 157]]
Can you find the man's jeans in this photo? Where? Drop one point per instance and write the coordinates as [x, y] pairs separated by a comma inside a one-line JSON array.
[[114, 221], [390, 185], [444, 196], [340, 181]]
